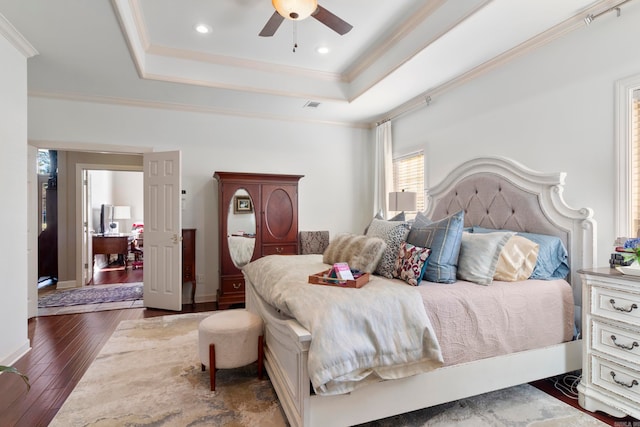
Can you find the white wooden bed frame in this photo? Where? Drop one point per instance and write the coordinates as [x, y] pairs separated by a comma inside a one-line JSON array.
[[287, 342]]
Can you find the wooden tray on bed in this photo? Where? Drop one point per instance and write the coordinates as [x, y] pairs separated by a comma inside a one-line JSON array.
[[323, 279]]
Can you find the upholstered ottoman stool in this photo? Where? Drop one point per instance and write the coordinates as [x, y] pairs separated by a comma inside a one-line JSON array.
[[230, 339]]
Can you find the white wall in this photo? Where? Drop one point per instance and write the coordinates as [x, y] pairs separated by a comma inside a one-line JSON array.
[[552, 110], [334, 195], [13, 188]]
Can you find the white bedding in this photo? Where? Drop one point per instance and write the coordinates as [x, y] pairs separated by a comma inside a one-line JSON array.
[[399, 339]]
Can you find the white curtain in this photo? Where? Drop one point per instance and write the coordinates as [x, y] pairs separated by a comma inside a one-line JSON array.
[[383, 172]]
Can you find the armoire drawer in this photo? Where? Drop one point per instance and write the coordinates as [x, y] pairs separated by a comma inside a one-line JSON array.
[[616, 341], [232, 285], [283, 249]]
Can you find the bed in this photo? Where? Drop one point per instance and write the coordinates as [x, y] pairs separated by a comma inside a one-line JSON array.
[[493, 193]]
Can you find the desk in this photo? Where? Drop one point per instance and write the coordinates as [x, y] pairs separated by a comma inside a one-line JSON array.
[[108, 245]]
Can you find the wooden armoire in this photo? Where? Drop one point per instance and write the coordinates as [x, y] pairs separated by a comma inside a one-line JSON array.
[[254, 209]]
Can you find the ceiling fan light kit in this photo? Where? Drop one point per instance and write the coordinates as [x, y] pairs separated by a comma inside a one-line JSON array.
[[295, 10]]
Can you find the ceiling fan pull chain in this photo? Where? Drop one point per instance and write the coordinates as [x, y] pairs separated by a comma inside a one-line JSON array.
[[295, 36]]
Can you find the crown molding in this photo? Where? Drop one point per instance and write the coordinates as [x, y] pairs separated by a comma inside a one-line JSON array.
[[129, 102], [369, 58], [559, 30], [16, 39], [243, 63]]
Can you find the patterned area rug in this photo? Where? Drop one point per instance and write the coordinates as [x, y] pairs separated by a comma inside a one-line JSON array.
[[148, 374], [91, 295]]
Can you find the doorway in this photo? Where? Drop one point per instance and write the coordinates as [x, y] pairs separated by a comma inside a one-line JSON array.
[[113, 211]]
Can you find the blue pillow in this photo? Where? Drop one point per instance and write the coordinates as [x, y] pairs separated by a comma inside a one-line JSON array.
[[443, 238], [552, 257]]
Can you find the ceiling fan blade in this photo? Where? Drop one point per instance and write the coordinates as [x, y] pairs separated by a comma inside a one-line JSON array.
[[332, 21], [272, 25]]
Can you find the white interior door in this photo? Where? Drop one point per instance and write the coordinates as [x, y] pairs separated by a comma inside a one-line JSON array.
[[162, 231], [87, 250]]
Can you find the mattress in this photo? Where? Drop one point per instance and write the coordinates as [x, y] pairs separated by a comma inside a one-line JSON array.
[[474, 322]]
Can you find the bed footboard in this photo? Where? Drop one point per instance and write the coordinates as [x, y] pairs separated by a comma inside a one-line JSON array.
[[286, 352], [285, 357]]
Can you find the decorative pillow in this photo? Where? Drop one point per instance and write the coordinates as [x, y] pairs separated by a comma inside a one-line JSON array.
[[443, 238], [411, 263], [552, 255], [479, 255], [360, 252], [398, 217], [517, 260], [393, 233]]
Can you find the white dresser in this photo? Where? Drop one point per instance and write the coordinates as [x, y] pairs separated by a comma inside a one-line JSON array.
[[611, 342]]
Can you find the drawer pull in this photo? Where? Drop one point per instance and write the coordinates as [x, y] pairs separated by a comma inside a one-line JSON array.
[[626, 310], [626, 347], [236, 285], [279, 250], [633, 383]]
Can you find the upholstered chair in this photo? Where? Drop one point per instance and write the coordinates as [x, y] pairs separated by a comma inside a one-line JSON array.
[[313, 242]]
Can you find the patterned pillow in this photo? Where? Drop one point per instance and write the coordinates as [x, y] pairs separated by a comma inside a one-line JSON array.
[[398, 217], [443, 238], [360, 252], [393, 233], [411, 263]]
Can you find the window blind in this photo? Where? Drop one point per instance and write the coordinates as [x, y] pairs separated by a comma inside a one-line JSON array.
[[408, 175]]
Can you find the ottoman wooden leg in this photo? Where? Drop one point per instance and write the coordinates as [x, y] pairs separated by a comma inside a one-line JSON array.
[[212, 366], [260, 356]]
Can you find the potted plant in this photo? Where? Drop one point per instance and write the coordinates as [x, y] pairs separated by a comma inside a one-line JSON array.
[[12, 370]]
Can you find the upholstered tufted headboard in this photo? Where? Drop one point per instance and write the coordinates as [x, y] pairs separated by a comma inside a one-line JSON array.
[[500, 193]]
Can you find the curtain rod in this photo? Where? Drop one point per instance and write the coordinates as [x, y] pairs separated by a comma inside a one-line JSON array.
[[590, 18], [423, 100]]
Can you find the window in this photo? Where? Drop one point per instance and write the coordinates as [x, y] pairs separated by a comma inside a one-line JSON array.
[[634, 121], [408, 175], [627, 128]]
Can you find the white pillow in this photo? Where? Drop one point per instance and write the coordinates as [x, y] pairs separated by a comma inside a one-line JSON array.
[[479, 255]]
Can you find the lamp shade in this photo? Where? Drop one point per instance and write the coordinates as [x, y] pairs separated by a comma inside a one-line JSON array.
[[295, 10], [402, 201], [122, 212]]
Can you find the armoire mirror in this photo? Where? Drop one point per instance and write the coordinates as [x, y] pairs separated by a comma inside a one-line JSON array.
[[241, 228]]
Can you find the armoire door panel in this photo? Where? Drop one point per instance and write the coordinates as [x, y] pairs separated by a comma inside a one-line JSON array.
[[280, 210]]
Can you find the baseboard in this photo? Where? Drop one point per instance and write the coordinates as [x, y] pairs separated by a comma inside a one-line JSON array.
[[206, 298], [67, 284], [17, 354]]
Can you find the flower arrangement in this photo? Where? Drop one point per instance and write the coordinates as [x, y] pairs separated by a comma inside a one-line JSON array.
[[632, 249]]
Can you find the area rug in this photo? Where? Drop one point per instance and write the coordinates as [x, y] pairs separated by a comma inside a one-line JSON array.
[[96, 294], [148, 374]]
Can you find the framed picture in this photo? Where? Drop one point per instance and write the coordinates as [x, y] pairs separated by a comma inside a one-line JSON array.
[[242, 204]]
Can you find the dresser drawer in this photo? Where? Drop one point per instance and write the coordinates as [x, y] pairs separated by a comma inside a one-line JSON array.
[[611, 304], [617, 379], [284, 249], [620, 342], [232, 285]]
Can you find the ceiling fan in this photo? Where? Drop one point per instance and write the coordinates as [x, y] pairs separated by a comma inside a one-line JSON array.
[[297, 10]]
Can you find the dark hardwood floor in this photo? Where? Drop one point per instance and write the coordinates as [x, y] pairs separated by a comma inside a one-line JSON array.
[[64, 346]]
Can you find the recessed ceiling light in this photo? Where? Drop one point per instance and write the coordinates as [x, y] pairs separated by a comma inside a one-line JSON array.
[[322, 50], [203, 28]]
